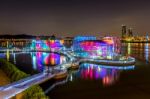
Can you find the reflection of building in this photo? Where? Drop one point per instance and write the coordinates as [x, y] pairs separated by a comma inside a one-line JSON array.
[[42, 59], [146, 53], [107, 74], [92, 71]]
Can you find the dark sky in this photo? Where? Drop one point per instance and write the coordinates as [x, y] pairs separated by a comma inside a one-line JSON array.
[[73, 17]]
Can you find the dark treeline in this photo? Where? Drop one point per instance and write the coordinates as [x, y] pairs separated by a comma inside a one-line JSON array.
[[21, 36], [24, 36]]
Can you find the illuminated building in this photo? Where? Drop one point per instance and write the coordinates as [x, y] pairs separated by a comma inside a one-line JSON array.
[[77, 40], [116, 43], [130, 33], [95, 49], [10, 43], [92, 48], [123, 31], [46, 44]]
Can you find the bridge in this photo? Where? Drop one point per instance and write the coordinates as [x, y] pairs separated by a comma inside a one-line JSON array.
[[13, 89], [17, 87]]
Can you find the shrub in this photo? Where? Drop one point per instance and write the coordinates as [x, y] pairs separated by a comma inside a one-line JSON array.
[[34, 92]]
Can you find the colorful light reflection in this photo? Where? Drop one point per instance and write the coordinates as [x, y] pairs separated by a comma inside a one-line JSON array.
[[129, 48], [107, 74], [147, 52], [42, 59]]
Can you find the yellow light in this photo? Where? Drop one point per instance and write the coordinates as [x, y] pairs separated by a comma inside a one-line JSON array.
[[7, 55]]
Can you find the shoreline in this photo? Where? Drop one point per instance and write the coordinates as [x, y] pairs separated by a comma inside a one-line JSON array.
[[14, 74]]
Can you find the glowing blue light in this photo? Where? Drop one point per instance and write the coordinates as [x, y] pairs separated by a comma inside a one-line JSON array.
[[114, 67], [34, 62], [147, 52]]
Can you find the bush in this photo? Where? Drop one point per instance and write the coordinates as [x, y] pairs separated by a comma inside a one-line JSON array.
[[34, 92], [12, 71]]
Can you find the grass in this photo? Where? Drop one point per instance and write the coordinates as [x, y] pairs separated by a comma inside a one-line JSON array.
[[13, 74], [4, 79]]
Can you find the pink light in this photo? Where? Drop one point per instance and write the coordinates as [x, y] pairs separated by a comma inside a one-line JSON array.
[[52, 59]]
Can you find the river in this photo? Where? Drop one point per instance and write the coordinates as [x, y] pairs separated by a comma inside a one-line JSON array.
[[92, 81]]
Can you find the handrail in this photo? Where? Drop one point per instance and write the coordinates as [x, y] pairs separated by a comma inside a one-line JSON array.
[[71, 61]]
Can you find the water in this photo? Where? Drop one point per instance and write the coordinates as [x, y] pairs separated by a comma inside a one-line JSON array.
[[97, 81], [92, 81], [34, 62]]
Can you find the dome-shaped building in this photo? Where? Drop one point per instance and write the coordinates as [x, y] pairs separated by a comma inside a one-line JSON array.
[[95, 49]]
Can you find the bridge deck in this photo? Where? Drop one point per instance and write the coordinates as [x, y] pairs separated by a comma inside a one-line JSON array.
[[12, 89]]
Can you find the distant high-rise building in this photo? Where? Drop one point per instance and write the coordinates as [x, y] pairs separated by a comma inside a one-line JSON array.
[[147, 37], [123, 30], [130, 33]]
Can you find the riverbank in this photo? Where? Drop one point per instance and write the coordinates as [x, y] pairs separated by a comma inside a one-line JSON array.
[[14, 74], [4, 79]]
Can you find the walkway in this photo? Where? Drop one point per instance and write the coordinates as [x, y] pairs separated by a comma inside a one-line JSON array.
[[12, 89]]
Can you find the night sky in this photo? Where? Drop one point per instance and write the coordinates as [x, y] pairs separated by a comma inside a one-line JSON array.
[[73, 17]]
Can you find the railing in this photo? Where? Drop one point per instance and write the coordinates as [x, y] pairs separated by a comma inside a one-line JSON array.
[[62, 68]]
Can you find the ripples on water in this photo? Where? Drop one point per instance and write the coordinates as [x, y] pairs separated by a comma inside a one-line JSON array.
[[33, 61], [92, 81], [97, 81]]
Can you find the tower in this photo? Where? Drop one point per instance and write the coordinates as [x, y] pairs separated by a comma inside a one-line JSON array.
[[123, 31], [130, 33]]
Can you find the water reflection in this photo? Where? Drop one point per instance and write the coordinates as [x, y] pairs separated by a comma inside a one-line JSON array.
[[107, 74], [42, 59], [147, 52], [7, 55], [14, 57], [140, 51], [33, 61], [28, 61], [129, 48]]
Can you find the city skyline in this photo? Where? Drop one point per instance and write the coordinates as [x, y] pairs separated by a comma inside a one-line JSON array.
[[73, 17]]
